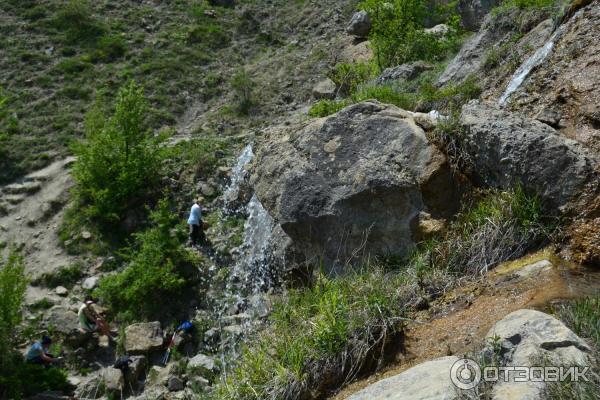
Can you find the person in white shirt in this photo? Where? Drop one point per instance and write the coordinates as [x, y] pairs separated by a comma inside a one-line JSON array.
[[195, 222]]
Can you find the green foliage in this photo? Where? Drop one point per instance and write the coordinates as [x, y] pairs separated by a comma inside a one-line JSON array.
[[119, 163], [12, 293], [310, 327], [77, 23], [323, 108], [349, 76], [65, 276], [387, 94], [20, 380], [3, 135], [525, 4], [243, 87], [158, 268], [398, 35], [109, 48]]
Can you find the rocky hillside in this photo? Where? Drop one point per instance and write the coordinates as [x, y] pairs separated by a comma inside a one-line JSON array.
[[393, 194]]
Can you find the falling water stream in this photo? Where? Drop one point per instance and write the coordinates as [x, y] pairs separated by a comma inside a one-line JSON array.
[[533, 61]]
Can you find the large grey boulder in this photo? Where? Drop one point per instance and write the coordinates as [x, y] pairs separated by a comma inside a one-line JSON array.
[[354, 184], [403, 73], [114, 380], [473, 12], [530, 338], [506, 148], [143, 338], [360, 24], [427, 381]]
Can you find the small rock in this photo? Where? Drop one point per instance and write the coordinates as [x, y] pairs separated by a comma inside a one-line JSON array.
[[113, 380], [325, 89], [61, 291], [206, 189], [197, 382], [90, 283], [235, 330], [438, 30], [175, 384], [143, 338], [202, 361], [549, 117], [360, 25], [85, 235]]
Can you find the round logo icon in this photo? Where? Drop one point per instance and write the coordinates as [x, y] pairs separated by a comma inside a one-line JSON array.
[[465, 374]]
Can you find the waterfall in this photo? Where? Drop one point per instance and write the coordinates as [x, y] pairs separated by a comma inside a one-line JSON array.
[[238, 174], [533, 61]]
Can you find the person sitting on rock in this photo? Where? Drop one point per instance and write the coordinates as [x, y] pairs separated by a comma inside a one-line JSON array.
[[89, 320], [38, 353], [195, 223]]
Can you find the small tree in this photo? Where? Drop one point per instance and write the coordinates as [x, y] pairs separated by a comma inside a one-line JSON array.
[[119, 162], [12, 293], [243, 86]]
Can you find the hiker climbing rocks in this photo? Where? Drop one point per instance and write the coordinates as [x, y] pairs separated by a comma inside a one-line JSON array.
[[184, 331], [195, 223], [38, 353], [89, 320]]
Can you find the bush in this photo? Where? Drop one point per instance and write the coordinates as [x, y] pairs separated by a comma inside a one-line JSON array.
[[398, 35], [12, 293], [109, 48], [323, 108], [3, 118], [76, 21], [119, 163], [348, 77], [243, 86], [65, 276], [159, 267], [19, 379]]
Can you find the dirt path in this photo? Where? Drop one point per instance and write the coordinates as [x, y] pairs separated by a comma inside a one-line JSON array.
[[459, 322], [33, 209]]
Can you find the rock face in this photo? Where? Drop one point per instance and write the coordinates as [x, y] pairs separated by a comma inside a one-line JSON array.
[[143, 338], [506, 149], [473, 12], [360, 24], [429, 380], [360, 178], [402, 73], [528, 336], [113, 380]]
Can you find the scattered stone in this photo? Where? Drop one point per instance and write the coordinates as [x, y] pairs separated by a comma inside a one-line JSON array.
[[85, 235], [534, 269], [325, 89], [438, 30], [136, 369], [360, 25], [429, 380], [206, 189], [202, 362], [403, 73], [549, 117], [360, 52], [143, 338], [113, 380], [90, 283], [197, 382], [175, 384], [61, 291], [91, 389], [235, 330]]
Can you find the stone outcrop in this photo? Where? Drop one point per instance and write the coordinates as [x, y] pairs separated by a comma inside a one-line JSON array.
[[473, 12], [527, 337], [508, 149], [360, 25], [402, 73], [324, 89], [429, 380], [354, 184], [143, 338]]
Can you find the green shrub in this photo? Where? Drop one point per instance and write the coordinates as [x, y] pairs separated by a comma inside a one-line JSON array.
[[398, 36], [323, 108], [119, 163], [76, 21], [159, 267], [243, 87], [65, 276], [12, 293], [74, 65], [348, 76], [109, 48], [387, 94], [210, 35], [3, 135], [20, 380]]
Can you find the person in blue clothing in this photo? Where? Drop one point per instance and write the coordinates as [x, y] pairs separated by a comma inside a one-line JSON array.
[[195, 223], [38, 352]]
